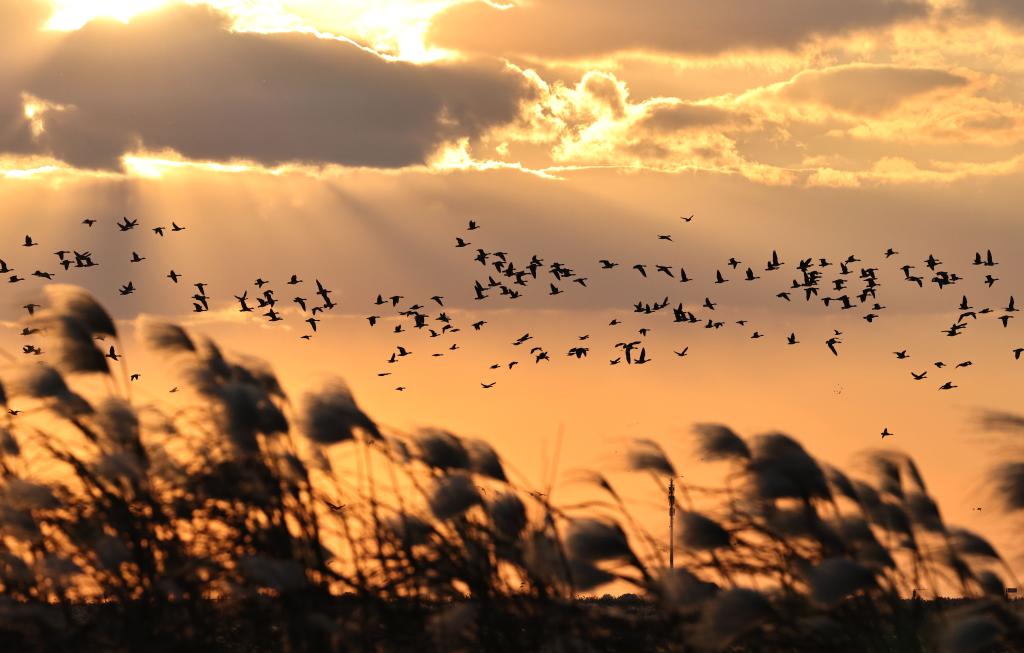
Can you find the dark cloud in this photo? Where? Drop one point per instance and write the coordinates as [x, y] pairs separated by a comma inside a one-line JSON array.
[[577, 28], [678, 117], [868, 90], [20, 21], [1008, 10], [181, 79]]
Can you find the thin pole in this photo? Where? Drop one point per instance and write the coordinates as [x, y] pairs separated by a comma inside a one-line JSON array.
[[671, 523]]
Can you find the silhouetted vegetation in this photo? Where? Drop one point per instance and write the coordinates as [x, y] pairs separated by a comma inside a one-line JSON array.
[[234, 518]]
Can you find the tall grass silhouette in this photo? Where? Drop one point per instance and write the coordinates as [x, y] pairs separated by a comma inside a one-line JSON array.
[[239, 519]]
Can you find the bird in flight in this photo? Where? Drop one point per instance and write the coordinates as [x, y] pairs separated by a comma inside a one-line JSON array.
[[886, 433], [128, 224], [88, 222], [832, 342], [29, 242]]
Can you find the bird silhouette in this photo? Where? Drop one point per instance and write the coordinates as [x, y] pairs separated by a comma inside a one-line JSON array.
[[832, 342], [127, 224]]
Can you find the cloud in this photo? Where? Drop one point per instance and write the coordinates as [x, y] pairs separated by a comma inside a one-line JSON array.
[[1008, 10], [888, 106], [179, 79], [581, 28], [682, 116], [866, 89]]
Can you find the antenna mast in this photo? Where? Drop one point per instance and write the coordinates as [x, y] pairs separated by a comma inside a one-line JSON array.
[[671, 523]]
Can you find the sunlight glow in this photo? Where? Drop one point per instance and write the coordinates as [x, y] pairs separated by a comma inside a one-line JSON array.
[[154, 165], [35, 111], [72, 14], [394, 28]]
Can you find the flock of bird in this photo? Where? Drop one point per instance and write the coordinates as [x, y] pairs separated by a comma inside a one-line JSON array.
[[264, 302], [852, 286]]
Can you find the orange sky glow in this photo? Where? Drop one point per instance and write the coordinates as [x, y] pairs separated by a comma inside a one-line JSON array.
[[353, 144]]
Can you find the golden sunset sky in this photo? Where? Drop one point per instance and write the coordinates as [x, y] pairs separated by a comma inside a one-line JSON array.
[[352, 142]]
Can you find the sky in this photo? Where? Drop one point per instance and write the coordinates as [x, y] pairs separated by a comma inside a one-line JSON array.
[[351, 142]]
